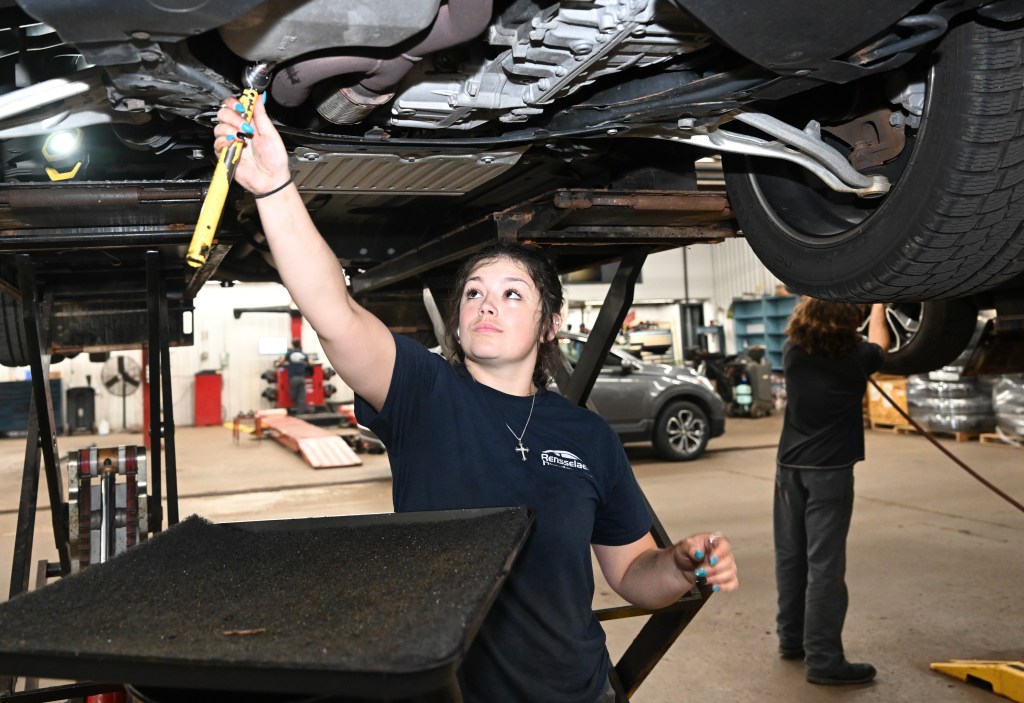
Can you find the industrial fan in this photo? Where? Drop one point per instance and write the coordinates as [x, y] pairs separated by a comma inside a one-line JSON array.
[[121, 376]]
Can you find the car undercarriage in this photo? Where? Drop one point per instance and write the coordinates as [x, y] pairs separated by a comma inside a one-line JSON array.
[[418, 130], [871, 152]]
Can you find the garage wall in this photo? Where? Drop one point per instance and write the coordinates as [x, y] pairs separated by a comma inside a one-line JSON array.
[[716, 274], [222, 343]]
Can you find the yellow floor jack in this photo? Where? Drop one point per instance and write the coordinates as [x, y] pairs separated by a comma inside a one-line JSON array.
[[1005, 678]]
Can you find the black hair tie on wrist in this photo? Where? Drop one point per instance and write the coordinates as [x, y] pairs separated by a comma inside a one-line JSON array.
[[279, 188]]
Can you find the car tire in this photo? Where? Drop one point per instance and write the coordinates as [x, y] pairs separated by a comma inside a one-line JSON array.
[[949, 226], [928, 336], [13, 344], [681, 432]]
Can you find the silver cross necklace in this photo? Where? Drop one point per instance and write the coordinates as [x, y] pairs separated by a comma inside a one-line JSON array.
[[522, 449]]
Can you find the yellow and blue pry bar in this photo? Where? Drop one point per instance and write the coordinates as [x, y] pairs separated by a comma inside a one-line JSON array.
[[256, 79]]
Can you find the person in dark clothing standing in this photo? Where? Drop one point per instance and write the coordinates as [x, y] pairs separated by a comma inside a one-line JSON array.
[[826, 365], [480, 429], [297, 361]]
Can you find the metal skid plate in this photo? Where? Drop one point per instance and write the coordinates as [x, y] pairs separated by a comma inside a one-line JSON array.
[[400, 171]]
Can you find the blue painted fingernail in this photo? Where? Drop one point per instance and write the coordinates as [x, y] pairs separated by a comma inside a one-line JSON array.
[[247, 128], [714, 560], [716, 588], [263, 98], [698, 554], [239, 108], [229, 138], [701, 573]]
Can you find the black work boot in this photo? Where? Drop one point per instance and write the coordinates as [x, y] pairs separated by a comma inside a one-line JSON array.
[[846, 675]]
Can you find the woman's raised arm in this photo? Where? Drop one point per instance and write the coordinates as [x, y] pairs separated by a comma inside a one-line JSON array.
[[358, 345]]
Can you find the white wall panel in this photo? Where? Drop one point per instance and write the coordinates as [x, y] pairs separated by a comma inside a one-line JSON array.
[[222, 343], [738, 273], [714, 274]]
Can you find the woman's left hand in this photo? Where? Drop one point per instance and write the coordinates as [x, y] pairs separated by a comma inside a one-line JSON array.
[[707, 558]]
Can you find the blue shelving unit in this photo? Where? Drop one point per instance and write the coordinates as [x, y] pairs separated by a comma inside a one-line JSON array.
[[763, 321], [15, 400]]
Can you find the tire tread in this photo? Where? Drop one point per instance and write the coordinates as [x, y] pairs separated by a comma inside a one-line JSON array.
[[960, 221]]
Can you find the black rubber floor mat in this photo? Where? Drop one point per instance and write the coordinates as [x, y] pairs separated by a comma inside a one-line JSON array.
[[376, 606]]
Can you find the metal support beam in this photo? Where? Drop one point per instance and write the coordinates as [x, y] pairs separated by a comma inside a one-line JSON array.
[[654, 639], [609, 322], [41, 435], [158, 291], [24, 532], [663, 627], [449, 248], [36, 336], [156, 513], [579, 223]]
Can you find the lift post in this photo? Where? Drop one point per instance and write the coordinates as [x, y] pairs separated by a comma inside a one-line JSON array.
[[41, 443], [578, 228]]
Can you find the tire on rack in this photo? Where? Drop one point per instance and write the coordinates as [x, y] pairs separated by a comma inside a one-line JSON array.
[[950, 224], [681, 432], [13, 345], [927, 336]]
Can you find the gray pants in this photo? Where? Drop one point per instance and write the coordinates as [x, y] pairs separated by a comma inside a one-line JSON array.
[[812, 513], [297, 390]]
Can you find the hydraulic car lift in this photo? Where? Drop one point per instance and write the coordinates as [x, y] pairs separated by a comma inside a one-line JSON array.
[[577, 228], [96, 522]]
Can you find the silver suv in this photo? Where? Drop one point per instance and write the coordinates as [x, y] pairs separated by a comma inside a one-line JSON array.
[[673, 407]]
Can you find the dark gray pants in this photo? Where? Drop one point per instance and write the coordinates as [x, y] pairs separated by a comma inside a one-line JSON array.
[[297, 390], [812, 519]]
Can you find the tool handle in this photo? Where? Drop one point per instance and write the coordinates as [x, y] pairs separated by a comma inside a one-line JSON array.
[[216, 196]]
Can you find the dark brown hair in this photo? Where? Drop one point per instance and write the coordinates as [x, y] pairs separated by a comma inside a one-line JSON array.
[[825, 328], [544, 276]]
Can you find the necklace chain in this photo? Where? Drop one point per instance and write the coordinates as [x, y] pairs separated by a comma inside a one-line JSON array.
[[522, 449]]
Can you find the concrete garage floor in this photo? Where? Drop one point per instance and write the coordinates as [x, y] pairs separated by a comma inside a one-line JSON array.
[[936, 561]]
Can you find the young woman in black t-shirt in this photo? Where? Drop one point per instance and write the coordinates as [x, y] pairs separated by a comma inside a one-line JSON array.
[[502, 337]]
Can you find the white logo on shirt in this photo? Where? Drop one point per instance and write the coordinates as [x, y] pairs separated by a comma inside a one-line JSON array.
[[562, 460]]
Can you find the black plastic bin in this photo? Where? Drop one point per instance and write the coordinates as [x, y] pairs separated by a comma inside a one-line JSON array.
[[81, 413]]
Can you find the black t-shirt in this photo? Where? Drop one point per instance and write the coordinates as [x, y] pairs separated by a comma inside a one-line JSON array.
[[824, 422], [296, 361], [449, 448]]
